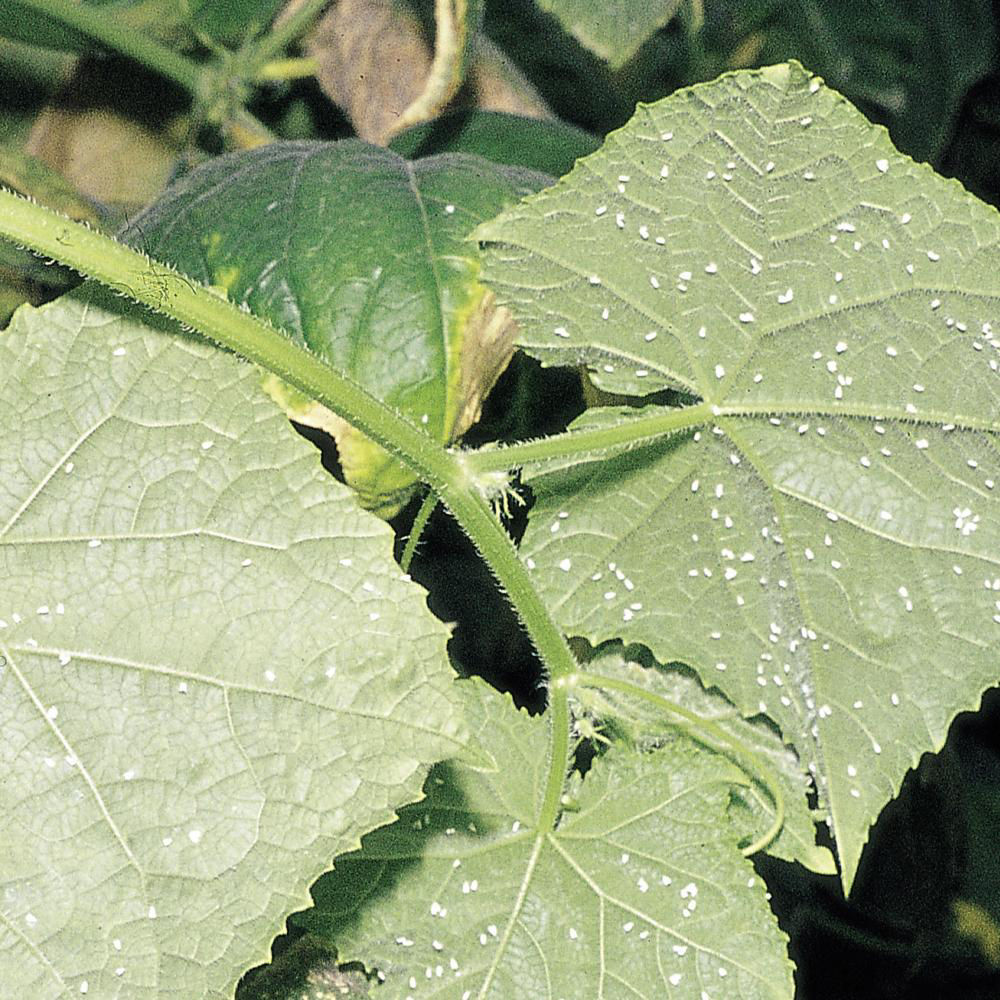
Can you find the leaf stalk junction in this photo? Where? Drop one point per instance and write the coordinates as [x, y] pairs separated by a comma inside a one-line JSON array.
[[451, 476]]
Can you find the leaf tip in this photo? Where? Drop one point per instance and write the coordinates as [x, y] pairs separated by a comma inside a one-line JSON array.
[[788, 74]]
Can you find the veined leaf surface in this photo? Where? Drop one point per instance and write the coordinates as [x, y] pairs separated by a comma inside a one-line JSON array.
[[213, 677], [640, 891], [825, 550]]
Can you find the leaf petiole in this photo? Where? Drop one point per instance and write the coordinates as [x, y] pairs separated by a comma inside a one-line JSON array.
[[598, 441]]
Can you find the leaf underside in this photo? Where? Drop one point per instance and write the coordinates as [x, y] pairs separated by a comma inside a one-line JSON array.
[[641, 890], [826, 550], [213, 677], [619, 714]]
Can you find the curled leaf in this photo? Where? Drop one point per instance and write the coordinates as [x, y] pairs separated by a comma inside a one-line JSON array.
[[362, 256]]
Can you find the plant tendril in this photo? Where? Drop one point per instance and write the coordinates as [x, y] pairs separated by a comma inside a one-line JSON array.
[[751, 763]]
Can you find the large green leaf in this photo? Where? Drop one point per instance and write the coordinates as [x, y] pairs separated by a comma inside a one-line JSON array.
[[640, 891], [360, 255], [614, 29], [826, 549], [213, 677]]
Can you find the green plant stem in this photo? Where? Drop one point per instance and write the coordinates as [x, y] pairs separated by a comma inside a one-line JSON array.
[[419, 524], [759, 771], [110, 33], [167, 291], [196, 79], [630, 433], [296, 24], [278, 70], [496, 548]]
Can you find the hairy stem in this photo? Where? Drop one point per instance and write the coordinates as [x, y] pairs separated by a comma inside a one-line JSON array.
[[419, 524], [630, 433], [167, 291]]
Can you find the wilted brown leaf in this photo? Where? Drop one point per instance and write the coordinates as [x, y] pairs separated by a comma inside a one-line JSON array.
[[372, 60], [374, 57]]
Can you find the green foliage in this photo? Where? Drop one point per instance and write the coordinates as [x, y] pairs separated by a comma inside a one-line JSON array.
[[548, 146], [361, 256], [187, 741], [229, 22], [40, 23], [232, 21], [756, 243], [614, 29], [624, 715], [640, 888], [759, 575]]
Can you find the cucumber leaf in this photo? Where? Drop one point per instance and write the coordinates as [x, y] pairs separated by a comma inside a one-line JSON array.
[[613, 29], [361, 256], [213, 677], [640, 891], [549, 146], [824, 549]]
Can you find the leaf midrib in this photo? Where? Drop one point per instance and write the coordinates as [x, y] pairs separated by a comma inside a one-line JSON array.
[[404, 722]]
